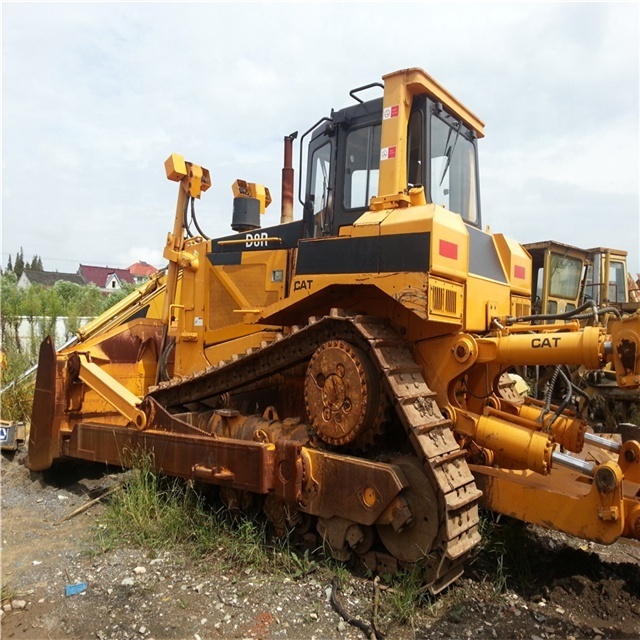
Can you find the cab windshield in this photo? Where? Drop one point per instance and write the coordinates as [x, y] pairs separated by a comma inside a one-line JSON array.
[[564, 279], [453, 167]]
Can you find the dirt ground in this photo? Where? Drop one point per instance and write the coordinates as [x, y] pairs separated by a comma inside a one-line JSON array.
[[576, 590]]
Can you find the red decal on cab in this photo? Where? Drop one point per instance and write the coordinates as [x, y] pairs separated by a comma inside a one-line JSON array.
[[448, 250]]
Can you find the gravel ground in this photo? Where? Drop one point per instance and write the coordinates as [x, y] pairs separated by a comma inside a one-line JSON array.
[[580, 590]]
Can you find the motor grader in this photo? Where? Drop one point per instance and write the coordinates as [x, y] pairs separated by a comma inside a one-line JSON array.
[[343, 373], [563, 278]]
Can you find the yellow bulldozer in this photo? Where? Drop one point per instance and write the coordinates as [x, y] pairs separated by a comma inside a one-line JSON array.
[[343, 373]]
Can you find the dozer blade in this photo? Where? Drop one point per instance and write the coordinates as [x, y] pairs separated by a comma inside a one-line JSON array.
[[41, 436]]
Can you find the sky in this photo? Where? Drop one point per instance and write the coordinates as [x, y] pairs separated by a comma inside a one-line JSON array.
[[96, 96]]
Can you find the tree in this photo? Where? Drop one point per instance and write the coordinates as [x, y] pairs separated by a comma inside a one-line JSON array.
[[10, 311], [9, 265], [119, 294], [36, 263], [18, 266]]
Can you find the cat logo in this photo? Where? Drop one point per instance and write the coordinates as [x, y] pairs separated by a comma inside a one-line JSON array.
[[299, 285], [541, 343]]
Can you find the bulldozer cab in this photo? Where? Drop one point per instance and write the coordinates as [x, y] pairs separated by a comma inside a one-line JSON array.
[[346, 155], [606, 278], [350, 139], [557, 276]]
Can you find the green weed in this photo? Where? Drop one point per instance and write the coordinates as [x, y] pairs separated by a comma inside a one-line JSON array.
[[504, 557], [154, 512], [17, 399], [408, 594], [7, 592], [295, 563], [244, 543]]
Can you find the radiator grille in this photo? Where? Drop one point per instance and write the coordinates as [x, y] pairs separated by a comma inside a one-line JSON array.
[[520, 307], [445, 299]]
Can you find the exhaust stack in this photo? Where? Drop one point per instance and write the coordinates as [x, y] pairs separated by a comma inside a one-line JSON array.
[[287, 179]]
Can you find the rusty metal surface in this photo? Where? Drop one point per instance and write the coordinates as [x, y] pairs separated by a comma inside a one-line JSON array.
[[127, 346], [339, 485], [414, 542], [442, 459], [43, 443], [177, 454], [286, 213], [341, 394], [158, 418], [283, 353], [289, 471]]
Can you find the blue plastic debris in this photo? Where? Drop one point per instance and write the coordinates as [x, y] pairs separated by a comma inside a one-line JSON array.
[[74, 589]]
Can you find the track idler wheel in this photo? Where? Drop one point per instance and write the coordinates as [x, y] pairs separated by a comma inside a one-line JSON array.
[[414, 541], [342, 392]]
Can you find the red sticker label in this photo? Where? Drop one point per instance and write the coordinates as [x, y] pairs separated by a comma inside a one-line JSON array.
[[448, 250], [519, 272], [391, 112], [387, 153]]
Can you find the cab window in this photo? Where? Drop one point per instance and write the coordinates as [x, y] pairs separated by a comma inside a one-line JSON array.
[[453, 167], [616, 282], [564, 280], [320, 172], [415, 176], [362, 166]]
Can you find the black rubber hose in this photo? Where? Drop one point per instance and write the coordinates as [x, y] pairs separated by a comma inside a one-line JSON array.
[[584, 316], [185, 221], [164, 376], [575, 387], [567, 399], [550, 388], [558, 316], [195, 221]]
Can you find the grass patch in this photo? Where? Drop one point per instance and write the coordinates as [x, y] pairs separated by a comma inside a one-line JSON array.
[[17, 398], [244, 542], [504, 557], [159, 513], [154, 512], [408, 595], [7, 592]]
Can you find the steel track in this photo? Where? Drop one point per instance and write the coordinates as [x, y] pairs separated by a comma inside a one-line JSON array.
[[428, 430]]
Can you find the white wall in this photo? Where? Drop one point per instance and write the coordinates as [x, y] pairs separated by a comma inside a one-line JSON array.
[[26, 331]]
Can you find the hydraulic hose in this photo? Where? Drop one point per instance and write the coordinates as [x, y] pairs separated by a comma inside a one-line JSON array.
[[560, 316], [164, 359], [195, 220], [567, 399], [549, 393], [185, 221], [599, 312]]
